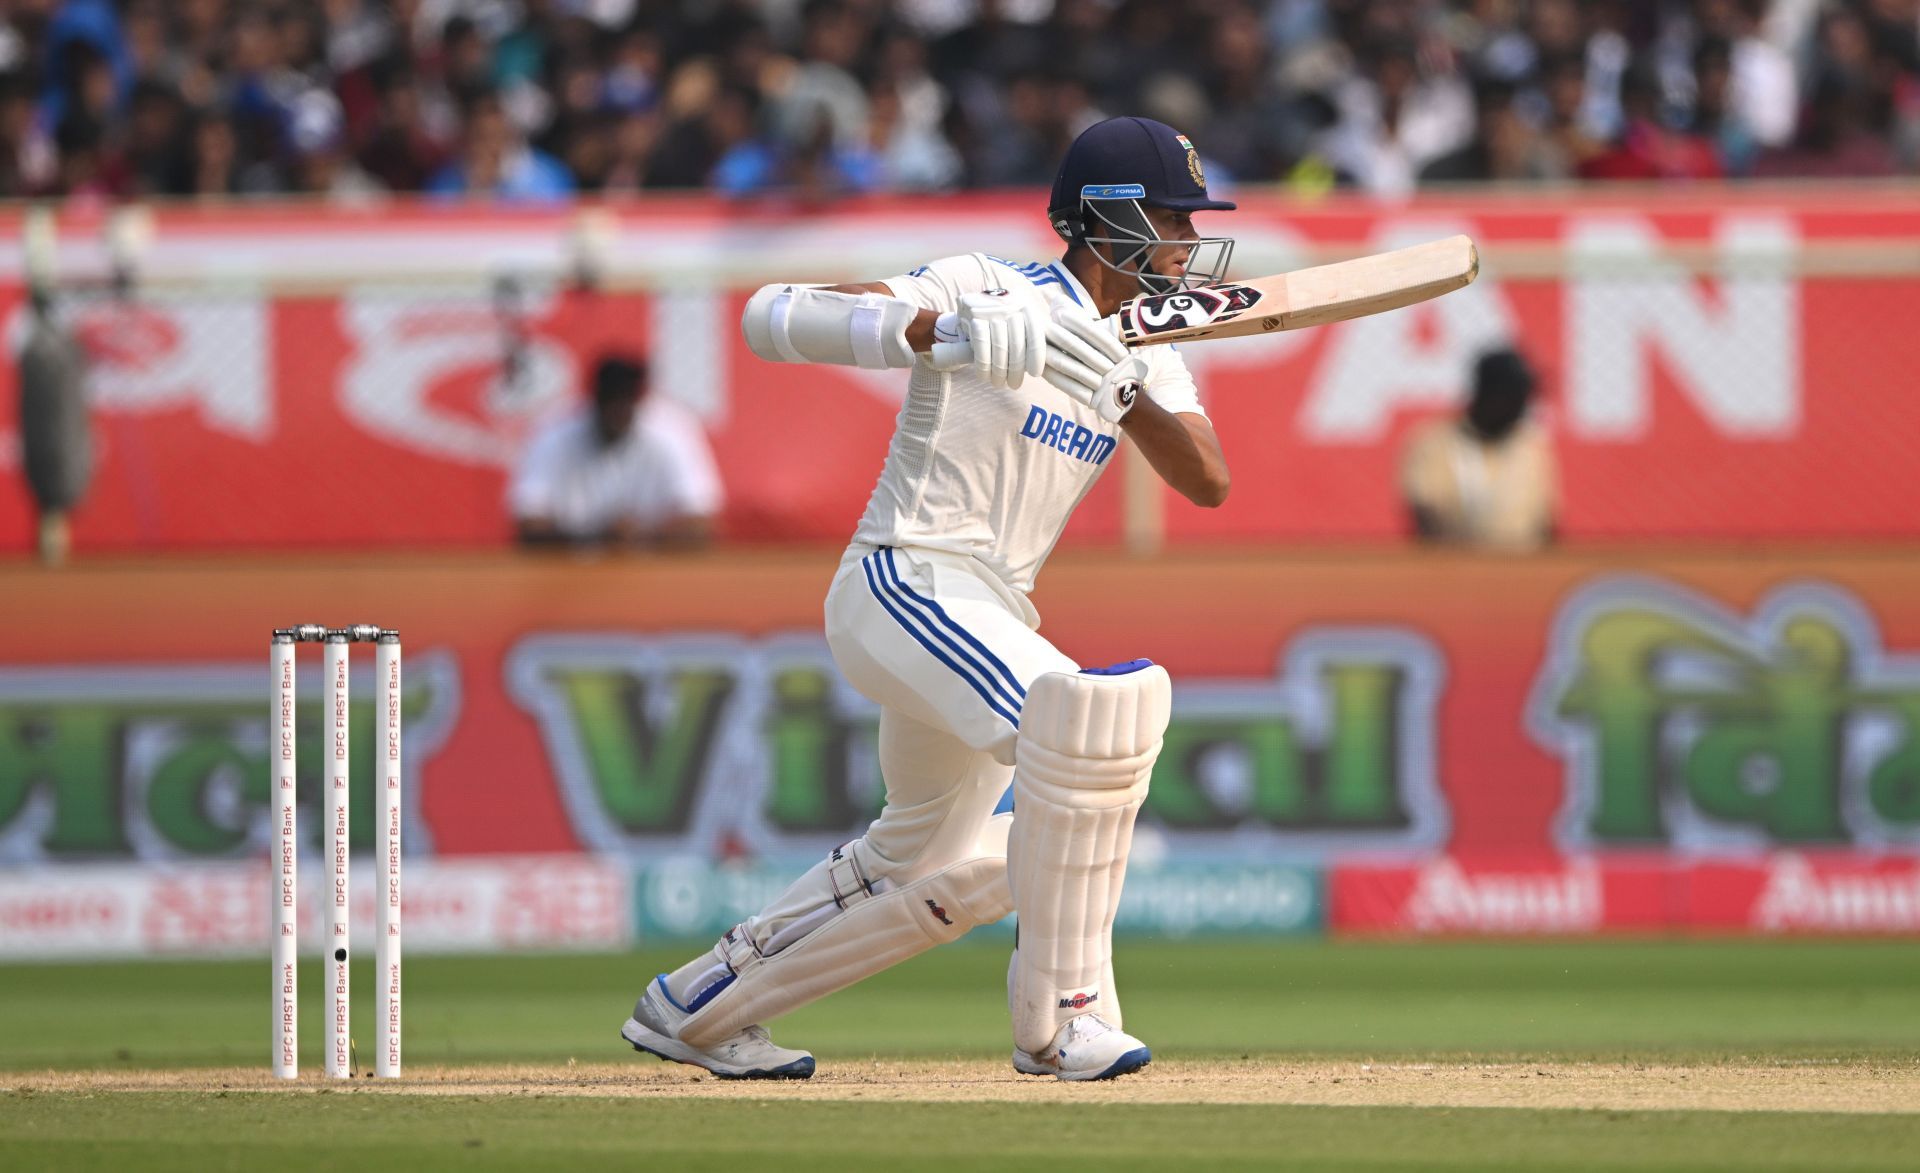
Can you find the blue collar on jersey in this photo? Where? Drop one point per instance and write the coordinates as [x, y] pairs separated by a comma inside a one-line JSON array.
[[1051, 274]]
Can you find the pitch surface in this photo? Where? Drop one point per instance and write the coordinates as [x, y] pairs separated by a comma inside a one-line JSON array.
[[1588, 1056]]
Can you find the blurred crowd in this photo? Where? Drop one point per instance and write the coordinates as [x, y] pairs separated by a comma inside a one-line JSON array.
[[540, 99]]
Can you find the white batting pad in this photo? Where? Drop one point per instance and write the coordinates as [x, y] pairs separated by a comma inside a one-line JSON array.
[[825, 934], [1109, 991], [1086, 749]]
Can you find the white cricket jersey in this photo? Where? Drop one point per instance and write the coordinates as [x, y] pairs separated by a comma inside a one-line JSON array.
[[990, 473]]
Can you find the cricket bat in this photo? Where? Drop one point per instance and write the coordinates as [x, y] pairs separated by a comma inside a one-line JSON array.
[[1291, 301], [1305, 297]]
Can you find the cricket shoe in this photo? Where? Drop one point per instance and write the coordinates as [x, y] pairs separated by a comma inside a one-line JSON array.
[[1087, 1047], [747, 1055]]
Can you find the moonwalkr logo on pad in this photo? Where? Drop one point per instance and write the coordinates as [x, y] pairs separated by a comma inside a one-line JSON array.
[[1056, 431]]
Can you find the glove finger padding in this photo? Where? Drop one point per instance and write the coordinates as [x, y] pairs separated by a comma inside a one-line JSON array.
[[1016, 357], [980, 337], [1063, 346], [1098, 335], [1072, 376], [1006, 337], [1087, 361], [1036, 354], [1002, 341]]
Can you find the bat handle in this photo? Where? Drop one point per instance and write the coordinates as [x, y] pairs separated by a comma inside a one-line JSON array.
[[947, 356]]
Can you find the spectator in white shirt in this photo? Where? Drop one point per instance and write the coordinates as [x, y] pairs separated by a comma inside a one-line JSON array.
[[1765, 94], [624, 469]]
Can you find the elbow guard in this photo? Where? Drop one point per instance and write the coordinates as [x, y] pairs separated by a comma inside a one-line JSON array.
[[804, 323]]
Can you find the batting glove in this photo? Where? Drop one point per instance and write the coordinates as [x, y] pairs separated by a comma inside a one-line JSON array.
[[1006, 335], [1087, 360]]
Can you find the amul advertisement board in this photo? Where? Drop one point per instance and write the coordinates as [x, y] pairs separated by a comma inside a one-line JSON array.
[[1400, 744], [1715, 363]]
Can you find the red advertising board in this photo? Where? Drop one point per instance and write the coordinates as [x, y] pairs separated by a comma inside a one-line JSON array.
[[1717, 365], [208, 909], [1785, 893]]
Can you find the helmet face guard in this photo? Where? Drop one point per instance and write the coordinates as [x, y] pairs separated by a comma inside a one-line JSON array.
[[1121, 224]]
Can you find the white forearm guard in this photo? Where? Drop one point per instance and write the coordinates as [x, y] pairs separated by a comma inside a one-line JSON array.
[[806, 323]]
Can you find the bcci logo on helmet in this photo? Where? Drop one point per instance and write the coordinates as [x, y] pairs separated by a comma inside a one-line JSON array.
[[1193, 161]]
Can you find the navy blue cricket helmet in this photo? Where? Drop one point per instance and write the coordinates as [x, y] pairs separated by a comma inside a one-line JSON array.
[[1111, 174]]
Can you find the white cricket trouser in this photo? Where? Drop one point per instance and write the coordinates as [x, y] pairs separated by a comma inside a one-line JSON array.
[[936, 639], [948, 652]]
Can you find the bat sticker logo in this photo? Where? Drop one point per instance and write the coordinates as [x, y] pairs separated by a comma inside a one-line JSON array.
[[1189, 309]]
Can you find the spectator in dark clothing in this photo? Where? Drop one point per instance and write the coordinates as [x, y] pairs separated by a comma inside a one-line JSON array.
[[82, 143], [1028, 138], [1506, 150], [213, 161], [401, 153], [1646, 148], [693, 147], [56, 440], [1836, 139], [495, 161], [465, 61], [936, 94], [154, 157], [1714, 118]]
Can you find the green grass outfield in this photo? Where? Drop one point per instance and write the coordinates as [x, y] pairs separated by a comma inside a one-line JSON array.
[[1695, 1003]]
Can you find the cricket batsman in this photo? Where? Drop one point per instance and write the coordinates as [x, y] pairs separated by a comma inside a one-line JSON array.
[[1012, 773]]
